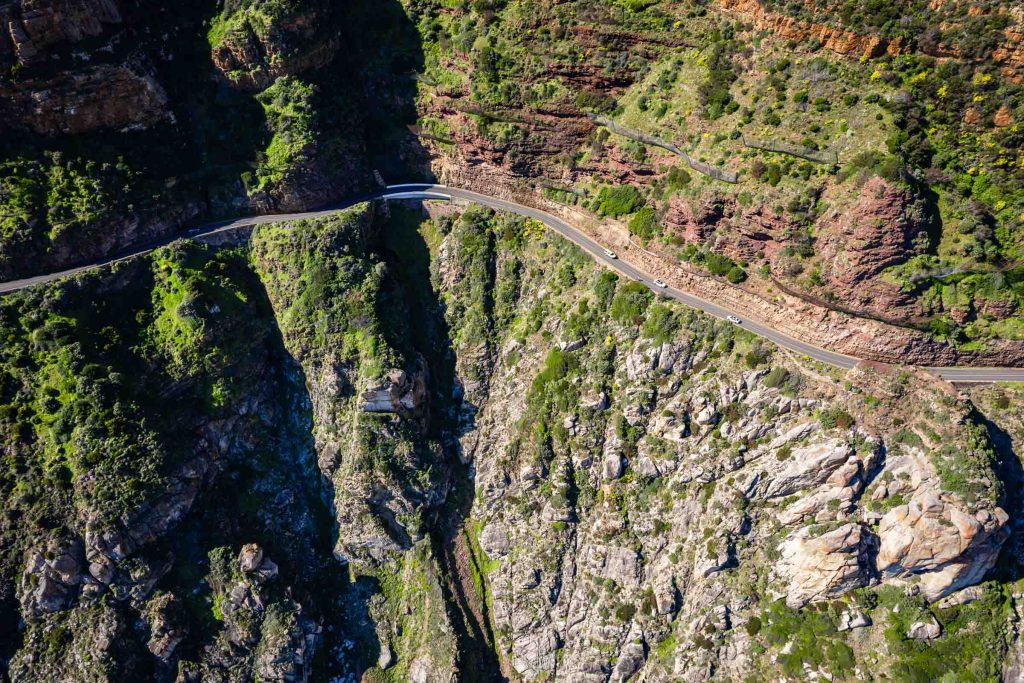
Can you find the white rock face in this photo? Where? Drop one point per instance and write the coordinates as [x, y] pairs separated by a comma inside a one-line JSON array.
[[823, 567], [393, 393], [945, 547], [805, 467], [534, 653]]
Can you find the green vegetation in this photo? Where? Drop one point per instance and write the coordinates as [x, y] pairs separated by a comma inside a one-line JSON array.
[[83, 374], [811, 637], [835, 417], [973, 642], [332, 289], [630, 303], [644, 224], [290, 115], [618, 201], [965, 468]]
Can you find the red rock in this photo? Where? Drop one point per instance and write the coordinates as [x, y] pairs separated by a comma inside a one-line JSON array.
[[102, 97], [856, 245]]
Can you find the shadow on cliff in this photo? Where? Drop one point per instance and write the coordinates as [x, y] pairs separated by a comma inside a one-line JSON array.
[[1010, 565], [451, 417]]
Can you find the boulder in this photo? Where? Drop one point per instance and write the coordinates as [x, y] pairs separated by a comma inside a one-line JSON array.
[[928, 629], [51, 577], [821, 567], [852, 619], [945, 547]]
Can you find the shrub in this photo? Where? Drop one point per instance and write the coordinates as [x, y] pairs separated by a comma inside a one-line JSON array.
[[604, 288], [625, 611], [736, 275], [835, 417], [714, 92], [595, 101], [618, 201], [775, 378], [718, 264], [678, 177], [661, 324], [757, 168], [644, 224], [631, 302]]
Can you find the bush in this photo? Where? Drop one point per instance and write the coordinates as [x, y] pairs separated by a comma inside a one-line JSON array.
[[644, 224], [714, 92], [835, 417], [718, 264], [661, 324], [595, 102], [757, 168], [631, 302], [775, 378], [604, 288], [736, 275], [618, 201], [678, 177]]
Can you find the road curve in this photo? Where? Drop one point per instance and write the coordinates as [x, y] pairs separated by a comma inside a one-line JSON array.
[[429, 191]]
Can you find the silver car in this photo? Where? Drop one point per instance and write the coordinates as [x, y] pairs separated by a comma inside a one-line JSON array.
[[734, 320]]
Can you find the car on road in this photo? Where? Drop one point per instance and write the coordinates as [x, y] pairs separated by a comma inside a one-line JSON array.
[[610, 254], [660, 283], [734, 320]]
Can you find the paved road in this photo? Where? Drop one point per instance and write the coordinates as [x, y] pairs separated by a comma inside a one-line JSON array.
[[596, 251]]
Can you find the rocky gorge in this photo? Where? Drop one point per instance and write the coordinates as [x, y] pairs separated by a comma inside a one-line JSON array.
[[408, 443]]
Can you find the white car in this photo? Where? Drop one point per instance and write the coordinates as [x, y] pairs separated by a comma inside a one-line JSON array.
[[734, 320], [610, 254], [660, 283]]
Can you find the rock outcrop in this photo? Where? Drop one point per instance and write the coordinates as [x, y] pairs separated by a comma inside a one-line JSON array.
[[254, 52], [104, 97], [815, 566], [942, 545], [883, 228], [31, 27]]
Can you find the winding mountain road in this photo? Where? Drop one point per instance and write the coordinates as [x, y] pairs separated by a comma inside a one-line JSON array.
[[426, 191]]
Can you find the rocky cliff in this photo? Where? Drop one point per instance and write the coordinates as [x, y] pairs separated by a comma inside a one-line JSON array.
[[454, 449]]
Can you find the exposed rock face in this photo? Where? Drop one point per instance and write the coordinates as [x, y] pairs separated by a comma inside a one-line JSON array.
[[253, 54], [835, 39], [823, 567], [32, 26], [945, 546], [650, 510], [695, 226], [101, 97], [395, 392], [52, 577], [878, 231]]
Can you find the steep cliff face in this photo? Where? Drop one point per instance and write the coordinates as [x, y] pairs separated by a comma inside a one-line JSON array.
[[779, 113], [882, 228], [193, 111], [382, 447], [262, 41], [662, 497], [33, 27]]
